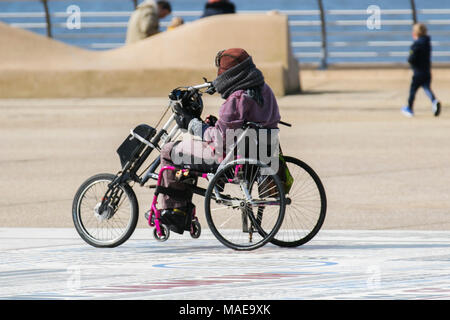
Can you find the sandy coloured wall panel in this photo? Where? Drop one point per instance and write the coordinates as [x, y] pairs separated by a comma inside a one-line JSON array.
[[35, 66]]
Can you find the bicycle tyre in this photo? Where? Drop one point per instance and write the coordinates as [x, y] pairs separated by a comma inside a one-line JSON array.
[[292, 217], [81, 223]]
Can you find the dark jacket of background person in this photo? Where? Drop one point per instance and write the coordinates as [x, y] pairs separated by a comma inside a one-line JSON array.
[[218, 7], [420, 55]]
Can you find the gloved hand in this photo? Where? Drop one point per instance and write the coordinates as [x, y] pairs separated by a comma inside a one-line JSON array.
[[211, 90], [211, 120], [182, 117], [183, 120]]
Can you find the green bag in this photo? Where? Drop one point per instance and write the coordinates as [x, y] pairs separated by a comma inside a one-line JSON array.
[[285, 175]]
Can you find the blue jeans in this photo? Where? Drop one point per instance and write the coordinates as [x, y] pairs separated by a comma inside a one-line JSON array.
[[420, 80]]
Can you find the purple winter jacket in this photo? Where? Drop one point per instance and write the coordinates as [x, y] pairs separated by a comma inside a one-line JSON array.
[[240, 107]]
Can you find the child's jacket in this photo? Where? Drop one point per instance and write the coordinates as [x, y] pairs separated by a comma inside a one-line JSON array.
[[420, 56]]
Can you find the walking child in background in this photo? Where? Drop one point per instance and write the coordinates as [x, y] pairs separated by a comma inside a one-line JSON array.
[[420, 61]]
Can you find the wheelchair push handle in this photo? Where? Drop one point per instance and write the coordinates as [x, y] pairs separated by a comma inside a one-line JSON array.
[[252, 125], [285, 123]]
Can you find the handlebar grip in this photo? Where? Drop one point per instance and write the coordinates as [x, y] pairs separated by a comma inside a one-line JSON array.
[[211, 90]]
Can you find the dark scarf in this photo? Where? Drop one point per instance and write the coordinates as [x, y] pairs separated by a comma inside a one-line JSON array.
[[244, 76]]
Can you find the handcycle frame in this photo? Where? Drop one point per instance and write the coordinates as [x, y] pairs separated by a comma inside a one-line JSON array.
[[168, 133]]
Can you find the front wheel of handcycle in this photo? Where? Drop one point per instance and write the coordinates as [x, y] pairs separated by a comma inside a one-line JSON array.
[[232, 203], [104, 214]]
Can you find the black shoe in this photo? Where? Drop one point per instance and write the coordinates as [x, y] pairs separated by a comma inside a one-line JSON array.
[[436, 108], [176, 219]]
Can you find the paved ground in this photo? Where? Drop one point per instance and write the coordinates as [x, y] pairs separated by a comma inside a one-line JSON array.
[[55, 264]]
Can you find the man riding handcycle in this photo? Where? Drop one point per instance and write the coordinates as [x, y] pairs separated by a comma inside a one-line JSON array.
[[249, 188], [247, 99]]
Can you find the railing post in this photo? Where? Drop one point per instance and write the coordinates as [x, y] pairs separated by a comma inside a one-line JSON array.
[[47, 18], [414, 11], [135, 3], [323, 62]]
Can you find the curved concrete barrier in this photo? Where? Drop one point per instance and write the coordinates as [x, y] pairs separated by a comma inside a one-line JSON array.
[[35, 66]]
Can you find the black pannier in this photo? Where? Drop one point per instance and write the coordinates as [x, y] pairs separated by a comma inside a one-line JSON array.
[[130, 149]]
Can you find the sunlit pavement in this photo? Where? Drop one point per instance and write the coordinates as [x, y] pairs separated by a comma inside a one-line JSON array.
[[38, 263]]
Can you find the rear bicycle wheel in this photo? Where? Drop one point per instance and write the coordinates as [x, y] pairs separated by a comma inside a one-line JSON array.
[[306, 206], [231, 205], [109, 225]]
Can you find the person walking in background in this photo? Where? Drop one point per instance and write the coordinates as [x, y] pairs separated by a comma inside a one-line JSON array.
[[214, 7], [420, 61], [144, 21]]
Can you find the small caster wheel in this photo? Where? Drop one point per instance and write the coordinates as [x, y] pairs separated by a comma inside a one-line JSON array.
[[165, 233], [196, 229]]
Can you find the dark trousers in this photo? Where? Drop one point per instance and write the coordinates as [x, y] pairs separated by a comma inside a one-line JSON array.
[[420, 80], [190, 149]]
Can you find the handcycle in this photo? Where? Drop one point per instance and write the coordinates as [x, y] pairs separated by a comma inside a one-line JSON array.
[[246, 205]]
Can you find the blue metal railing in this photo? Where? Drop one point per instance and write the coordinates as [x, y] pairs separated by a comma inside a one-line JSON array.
[[319, 37]]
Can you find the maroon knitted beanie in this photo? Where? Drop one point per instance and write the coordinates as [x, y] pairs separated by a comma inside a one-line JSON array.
[[227, 59]]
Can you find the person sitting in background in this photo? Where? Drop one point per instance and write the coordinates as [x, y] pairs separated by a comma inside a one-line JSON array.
[[420, 61], [144, 21], [176, 22], [213, 7]]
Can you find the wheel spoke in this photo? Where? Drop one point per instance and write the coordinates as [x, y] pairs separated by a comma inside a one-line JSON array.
[[235, 222]]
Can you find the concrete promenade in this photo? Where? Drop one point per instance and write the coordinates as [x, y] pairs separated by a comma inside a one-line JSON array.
[[41, 263]]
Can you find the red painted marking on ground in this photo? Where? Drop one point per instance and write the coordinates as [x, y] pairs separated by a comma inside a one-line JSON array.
[[261, 276], [170, 284]]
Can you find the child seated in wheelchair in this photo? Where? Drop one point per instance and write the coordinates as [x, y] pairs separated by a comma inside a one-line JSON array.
[[247, 98]]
